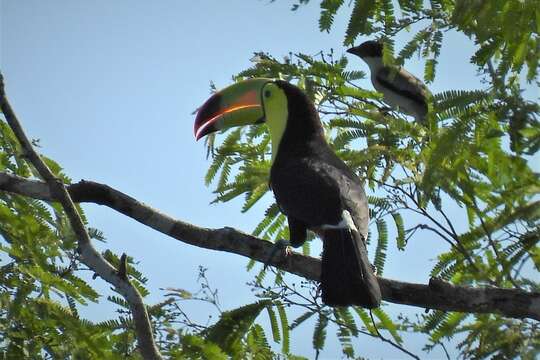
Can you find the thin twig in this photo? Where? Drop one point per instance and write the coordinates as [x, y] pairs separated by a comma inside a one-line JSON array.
[[445, 351], [286, 291], [425, 213], [501, 260], [397, 346]]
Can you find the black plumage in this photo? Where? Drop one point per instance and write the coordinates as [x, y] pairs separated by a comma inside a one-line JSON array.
[[313, 187]]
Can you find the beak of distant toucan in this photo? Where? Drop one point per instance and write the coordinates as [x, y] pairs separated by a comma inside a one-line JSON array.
[[237, 105]]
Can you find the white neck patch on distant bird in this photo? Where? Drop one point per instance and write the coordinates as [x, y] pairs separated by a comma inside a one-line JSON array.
[[374, 63]]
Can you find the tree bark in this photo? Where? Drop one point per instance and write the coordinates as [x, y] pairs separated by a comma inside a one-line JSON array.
[[438, 294]]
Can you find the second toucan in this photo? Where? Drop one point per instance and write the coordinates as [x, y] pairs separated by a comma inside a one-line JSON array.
[[313, 187]]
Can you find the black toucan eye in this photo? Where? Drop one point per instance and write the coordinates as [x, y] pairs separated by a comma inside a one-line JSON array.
[[267, 93]]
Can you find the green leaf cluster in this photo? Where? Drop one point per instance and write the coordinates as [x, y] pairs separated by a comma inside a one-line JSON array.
[[236, 335], [41, 282]]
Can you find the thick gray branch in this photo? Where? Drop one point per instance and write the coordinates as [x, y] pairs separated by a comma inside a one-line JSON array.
[[89, 255], [437, 294]]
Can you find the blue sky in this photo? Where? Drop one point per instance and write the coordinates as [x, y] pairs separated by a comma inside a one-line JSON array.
[[109, 88]]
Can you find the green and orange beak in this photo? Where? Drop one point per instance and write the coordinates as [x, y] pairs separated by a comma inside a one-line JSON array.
[[236, 105]]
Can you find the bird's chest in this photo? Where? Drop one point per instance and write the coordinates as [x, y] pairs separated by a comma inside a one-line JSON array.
[[304, 190]]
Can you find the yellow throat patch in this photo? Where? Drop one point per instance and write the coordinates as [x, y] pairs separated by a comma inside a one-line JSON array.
[[276, 113]]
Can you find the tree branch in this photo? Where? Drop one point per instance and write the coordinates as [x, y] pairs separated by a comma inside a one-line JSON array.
[[437, 294], [89, 255]]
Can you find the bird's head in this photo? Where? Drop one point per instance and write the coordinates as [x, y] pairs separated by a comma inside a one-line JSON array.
[[239, 104], [282, 106], [368, 49]]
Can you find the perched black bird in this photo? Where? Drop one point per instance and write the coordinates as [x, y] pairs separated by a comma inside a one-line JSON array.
[[312, 186], [400, 88]]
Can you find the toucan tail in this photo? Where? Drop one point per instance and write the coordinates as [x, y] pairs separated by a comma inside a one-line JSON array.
[[346, 276]]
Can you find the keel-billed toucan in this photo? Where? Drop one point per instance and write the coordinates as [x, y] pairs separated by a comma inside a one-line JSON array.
[[312, 186]]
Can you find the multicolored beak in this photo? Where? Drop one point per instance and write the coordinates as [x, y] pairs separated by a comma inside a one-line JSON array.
[[236, 105]]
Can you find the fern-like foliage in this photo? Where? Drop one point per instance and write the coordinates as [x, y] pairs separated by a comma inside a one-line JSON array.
[[42, 289], [319, 332], [460, 156], [233, 325], [359, 23], [328, 11], [236, 335], [382, 245]]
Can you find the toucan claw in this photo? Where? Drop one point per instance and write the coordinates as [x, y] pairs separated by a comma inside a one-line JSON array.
[[279, 245]]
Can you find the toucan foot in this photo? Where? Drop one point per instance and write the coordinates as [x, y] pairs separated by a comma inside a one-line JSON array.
[[280, 245]]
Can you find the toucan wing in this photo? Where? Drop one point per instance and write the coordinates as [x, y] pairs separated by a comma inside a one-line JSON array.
[[316, 190]]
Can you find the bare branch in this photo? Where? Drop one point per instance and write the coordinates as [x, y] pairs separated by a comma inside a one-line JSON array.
[[438, 294], [89, 256]]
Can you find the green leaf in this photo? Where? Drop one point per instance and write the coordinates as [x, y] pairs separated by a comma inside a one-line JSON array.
[[194, 346], [366, 319], [400, 228], [359, 23], [319, 333], [387, 324], [429, 70], [346, 329], [299, 320], [285, 348], [254, 196], [328, 11], [233, 325], [273, 323], [447, 327], [382, 245]]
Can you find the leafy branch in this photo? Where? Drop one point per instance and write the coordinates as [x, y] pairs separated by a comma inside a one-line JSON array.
[[437, 295], [88, 254]]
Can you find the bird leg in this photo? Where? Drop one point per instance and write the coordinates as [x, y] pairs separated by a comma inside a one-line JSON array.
[[297, 234], [279, 245]]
